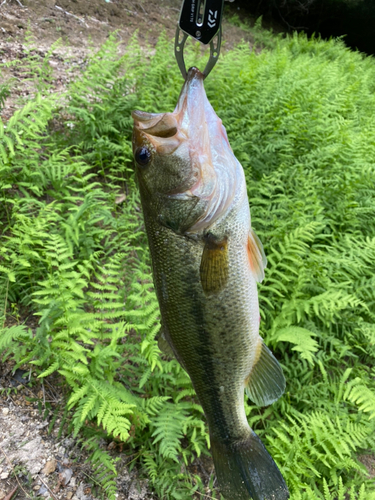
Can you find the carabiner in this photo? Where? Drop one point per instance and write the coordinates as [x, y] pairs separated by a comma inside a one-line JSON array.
[[200, 19]]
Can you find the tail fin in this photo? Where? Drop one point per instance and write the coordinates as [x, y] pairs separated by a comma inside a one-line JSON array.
[[246, 470]]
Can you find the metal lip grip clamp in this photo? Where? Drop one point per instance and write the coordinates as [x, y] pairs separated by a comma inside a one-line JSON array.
[[200, 19]]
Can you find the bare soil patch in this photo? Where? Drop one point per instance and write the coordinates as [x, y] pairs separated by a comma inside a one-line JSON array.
[[81, 22], [38, 459]]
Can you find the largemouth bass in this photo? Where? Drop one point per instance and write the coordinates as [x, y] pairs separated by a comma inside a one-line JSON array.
[[206, 261]]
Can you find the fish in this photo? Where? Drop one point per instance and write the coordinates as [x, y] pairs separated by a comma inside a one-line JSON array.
[[206, 262]]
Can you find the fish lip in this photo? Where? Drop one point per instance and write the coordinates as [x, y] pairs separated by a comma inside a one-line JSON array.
[[144, 116], [192, 90], [194, 72]]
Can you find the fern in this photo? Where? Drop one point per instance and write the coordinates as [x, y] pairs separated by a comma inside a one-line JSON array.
[[168, 431], [338, 492], [103, 464], [329, 445], [302, 338], [362, 396], [13, 335]]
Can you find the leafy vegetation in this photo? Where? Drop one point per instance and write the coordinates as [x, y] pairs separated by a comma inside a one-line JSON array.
[[74, 254]]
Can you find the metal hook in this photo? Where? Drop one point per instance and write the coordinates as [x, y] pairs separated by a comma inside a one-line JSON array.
[[179, 52]]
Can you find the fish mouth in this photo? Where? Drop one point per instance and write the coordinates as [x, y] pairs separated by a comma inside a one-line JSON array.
[[166, 125], [166, 131], [158, 125], [158, 130]]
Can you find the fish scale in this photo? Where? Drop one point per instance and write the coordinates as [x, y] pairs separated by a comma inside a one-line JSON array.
[[206, 261]]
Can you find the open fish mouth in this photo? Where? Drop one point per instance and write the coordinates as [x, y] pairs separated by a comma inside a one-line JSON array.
[[189, 109]]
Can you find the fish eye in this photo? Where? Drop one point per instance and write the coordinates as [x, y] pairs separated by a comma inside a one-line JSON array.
[[142, 156]]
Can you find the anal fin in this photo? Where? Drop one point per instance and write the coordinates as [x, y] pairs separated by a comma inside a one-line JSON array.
[[266, 381], [164, 345], [166, 348]]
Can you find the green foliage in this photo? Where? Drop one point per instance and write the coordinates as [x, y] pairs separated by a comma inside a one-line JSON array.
[[74, 254], [4, 93], [104, 466], [362, 395], [302, 338]]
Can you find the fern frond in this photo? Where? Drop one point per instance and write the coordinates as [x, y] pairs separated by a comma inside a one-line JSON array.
[[168, 426], [362, 396], [303, 340], [11, 334]]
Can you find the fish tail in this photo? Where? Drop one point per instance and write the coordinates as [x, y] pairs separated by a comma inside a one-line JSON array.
[[246, 470]]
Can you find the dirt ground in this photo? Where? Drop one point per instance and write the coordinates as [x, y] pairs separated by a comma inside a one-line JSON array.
[[35, 460], [77, 21]]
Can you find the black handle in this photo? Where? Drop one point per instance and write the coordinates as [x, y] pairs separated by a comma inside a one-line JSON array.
[[201, 19]]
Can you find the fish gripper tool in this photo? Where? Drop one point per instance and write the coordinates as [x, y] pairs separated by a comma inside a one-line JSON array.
[[200, 19]]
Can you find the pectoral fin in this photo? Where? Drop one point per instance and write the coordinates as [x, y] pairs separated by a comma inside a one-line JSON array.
[[257, 257], [266, 382], [214, 266]]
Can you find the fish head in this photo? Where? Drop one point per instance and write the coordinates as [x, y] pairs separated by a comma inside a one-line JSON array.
[[185, 166], [161, 154]]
